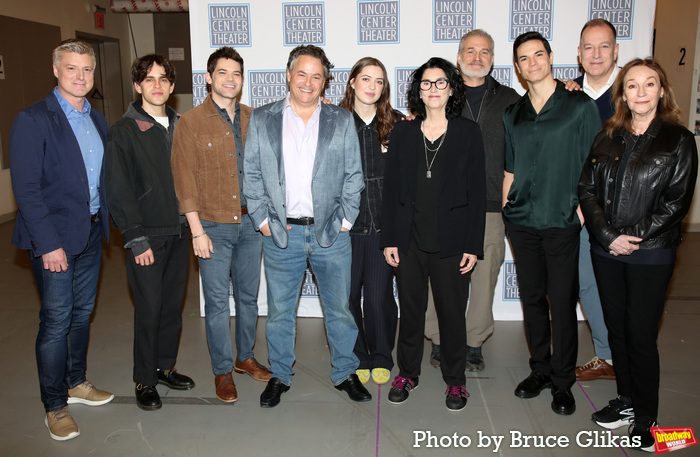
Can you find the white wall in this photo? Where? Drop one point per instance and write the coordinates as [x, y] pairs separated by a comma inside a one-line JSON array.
[[677, 27]]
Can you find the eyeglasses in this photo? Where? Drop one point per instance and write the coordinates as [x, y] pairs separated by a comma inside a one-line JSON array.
[[440, 84]]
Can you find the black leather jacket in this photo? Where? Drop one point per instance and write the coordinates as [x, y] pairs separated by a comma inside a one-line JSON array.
[[656, 190]]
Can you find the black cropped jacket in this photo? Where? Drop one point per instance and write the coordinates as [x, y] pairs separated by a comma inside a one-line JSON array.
[[657, 186]]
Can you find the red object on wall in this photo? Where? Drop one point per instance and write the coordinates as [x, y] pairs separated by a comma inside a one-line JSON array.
[[99, 21]]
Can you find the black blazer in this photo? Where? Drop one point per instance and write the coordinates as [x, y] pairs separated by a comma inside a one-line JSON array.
[[462, 201]]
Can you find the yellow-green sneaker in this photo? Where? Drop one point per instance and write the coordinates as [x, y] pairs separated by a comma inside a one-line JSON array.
[[380, 375], [363, 375]]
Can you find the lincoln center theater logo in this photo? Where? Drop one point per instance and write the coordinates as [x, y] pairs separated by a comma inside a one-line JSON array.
[[403, 82], [199, 88], [337, 85], [503, 74], [309, 288], [229, 25], [617, 12], [266, 86], [377, 22], [510, 281], [565, 72], [452, 19], [527, 15], [303, 24]]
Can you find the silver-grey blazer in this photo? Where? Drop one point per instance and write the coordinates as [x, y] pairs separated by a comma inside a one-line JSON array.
[[337, 172]]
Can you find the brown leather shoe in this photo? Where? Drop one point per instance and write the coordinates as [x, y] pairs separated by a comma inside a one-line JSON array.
[[225, 388], [595, 369], [253, 368]]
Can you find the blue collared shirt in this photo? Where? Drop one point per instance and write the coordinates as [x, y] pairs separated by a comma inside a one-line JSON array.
[[90, 142]]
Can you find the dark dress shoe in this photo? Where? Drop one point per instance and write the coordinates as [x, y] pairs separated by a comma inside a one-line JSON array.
[[175, 380], [563, 401], [272, 393], [147, 397], [531, 386], [354, 388]]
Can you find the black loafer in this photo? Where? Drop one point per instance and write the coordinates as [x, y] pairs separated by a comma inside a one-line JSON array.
[[531, 386], [354, 388], [175, 380], [147, 397], [563, 401], [272, 393]]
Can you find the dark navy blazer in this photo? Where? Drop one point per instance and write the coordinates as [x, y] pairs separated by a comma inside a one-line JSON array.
[[49, 180]]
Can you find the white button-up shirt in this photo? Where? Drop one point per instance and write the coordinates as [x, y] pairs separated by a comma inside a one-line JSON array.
[[299, 144]]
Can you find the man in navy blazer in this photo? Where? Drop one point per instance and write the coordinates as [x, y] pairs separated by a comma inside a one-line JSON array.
[[302, 181], [56, 156]]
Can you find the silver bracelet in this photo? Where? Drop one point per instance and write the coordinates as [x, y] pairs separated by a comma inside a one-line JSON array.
[[194, 237]]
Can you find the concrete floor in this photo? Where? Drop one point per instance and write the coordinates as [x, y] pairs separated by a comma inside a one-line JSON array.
[[313, 418]]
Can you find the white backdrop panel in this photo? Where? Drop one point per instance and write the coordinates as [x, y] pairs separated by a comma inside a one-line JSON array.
[[402, 34]]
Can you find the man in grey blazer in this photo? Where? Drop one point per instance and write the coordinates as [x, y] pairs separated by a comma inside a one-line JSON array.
[[302, 182]]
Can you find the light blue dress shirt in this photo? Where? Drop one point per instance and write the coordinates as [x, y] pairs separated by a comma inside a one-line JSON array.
[[90, 142]]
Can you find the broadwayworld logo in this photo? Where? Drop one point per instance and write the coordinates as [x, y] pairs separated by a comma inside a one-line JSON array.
[[673, 438]]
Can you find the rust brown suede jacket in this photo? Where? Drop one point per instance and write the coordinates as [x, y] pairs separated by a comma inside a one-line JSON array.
[[204, 163]]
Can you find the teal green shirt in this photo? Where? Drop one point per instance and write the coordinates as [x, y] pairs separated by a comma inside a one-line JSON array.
[[546, 151]]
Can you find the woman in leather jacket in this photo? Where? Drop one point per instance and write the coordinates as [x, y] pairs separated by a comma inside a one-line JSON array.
[[367, 96], [635, 189]]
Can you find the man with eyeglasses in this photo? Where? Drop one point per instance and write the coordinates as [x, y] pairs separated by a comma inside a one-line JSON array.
[[549, 132]]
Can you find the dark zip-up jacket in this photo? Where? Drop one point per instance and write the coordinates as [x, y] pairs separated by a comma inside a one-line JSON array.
[[657, 186], [496, 99], [139, 180]]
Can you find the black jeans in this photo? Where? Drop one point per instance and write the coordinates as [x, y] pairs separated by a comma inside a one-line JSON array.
[[450, 293], [158, 291], [547, 265], [633, 299]]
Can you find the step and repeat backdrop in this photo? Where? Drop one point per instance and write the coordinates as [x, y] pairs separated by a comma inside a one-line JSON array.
[[403, 34]]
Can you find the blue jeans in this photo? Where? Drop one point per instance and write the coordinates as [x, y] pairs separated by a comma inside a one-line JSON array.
[[590, 299], [285, 269], [236, 258], [67, 300]]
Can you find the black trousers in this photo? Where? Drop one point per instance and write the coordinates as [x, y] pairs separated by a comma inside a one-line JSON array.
[[158, 290], [372, 278], [633, 299], [547, 265], [450, 294]]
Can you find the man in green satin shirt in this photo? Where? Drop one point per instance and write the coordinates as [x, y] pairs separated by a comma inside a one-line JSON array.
[[549, 132]]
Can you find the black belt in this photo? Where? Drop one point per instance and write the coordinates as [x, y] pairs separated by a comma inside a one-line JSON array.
[[244, 210], [300, 221], [93, 217]]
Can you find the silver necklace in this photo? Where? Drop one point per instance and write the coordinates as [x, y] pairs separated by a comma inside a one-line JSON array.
[[476, 119], [428, 173]]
